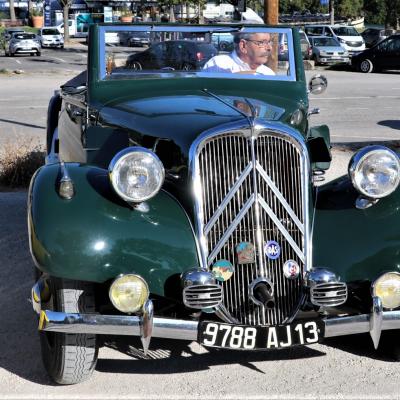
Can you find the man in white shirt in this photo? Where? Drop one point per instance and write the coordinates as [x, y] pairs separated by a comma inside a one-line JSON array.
[[249, 56]]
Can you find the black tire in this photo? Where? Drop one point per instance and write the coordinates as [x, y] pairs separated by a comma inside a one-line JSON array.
[[70, 358], [187, 67], [366, 66], [135, 65], [38, 53]]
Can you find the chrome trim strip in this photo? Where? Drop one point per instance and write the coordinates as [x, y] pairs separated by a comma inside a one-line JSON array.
[[278, 194], [231, 228], [227, 198], [282, 229]]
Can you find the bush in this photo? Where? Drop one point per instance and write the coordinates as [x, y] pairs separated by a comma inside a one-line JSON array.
[[18, 162]]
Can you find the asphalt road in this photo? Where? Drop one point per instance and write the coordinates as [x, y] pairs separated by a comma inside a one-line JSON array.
[[345, 368]]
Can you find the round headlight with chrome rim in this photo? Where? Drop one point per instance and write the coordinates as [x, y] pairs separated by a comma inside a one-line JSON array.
[[375, 171], [128, 293], [387, 287], [136, 174]]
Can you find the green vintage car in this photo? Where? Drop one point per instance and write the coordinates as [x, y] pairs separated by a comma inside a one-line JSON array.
[[182, 198]]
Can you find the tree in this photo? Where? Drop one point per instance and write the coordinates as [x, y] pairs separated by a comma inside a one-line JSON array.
[[66, 5], [12, 10]]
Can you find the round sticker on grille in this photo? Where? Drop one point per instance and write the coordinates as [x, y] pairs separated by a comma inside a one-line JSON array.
[[272, 250], [222, 270], [291, 269]]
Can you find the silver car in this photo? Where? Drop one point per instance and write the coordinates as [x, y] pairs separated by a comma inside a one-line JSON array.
[[23, 43], [327, 50]]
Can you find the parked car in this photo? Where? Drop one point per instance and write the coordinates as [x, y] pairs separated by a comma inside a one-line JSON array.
[[304, 45], [327, 50], [372, 36], [347, 36], [222, 41], [175, 54], [138, 39], [184, 205], [384, 55], [51, 37], [23, 43], [6, 35]]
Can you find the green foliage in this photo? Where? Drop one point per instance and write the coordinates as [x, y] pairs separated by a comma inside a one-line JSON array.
[[37, 12]]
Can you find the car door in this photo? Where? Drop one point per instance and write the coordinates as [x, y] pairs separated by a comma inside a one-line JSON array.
[[387, 53], [393, 53]]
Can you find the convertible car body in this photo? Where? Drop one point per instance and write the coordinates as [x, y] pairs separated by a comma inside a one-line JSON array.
[[184, 204]]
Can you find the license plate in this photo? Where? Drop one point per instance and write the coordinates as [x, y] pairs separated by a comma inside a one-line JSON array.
[[244, 337]]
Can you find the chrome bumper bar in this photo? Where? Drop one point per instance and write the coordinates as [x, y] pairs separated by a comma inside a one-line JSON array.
[[147, 326], [51, 321]]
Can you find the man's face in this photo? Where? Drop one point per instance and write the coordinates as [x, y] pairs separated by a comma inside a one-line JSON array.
[[256, 50]]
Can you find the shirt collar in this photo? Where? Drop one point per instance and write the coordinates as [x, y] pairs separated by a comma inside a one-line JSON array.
[[239, 61]]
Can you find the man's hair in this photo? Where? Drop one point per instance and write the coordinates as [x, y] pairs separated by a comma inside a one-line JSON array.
[[237, 37]]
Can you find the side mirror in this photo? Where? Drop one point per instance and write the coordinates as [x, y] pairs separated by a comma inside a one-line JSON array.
[[317, 84]]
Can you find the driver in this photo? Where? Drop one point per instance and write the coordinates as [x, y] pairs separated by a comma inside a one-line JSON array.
[[249, 56]]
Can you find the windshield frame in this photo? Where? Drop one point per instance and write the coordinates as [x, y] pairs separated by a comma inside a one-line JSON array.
[[101, 48]]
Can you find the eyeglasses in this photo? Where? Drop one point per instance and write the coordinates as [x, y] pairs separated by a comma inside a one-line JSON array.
[[260, 43]]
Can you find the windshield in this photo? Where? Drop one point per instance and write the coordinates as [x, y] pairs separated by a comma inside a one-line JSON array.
[[325, 41], [138, 52], [345, 31], [50, 32], [24, 36]]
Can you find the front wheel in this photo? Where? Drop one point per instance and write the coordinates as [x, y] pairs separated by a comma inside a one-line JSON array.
[[70, 358], [187, 67], [366, 66], [136, 66]]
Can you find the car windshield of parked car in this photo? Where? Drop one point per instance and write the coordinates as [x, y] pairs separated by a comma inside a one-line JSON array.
[[24, 36], [50, 32], [345, 31], [158, 52], [325, 42]]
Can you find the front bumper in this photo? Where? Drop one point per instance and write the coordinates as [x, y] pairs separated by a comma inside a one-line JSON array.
[[147, 326]]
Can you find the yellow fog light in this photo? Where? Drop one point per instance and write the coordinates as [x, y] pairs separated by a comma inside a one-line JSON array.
[[128, 293], [387, 287]]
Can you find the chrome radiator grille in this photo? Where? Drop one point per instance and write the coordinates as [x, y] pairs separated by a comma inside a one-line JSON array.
[[253, 191]]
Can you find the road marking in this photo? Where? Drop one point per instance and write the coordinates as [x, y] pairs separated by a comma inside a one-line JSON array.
[[358, 108], [59, 59]]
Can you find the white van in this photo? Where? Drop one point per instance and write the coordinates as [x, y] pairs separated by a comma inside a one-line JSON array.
[[71, 27], [348, 37]]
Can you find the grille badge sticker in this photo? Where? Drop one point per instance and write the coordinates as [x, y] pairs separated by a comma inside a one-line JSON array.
[[222, 270], [291, 269], [272, 250], [245, 253]]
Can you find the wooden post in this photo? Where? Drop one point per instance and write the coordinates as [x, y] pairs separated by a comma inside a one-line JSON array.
[[332, 11], [271, 12]]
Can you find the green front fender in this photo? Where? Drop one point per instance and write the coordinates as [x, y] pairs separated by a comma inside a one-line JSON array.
[[96, 236], [356, 244]]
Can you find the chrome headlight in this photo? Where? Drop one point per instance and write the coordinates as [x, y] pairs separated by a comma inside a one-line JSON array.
[[375, 171], [387, 287], [136, 174]]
